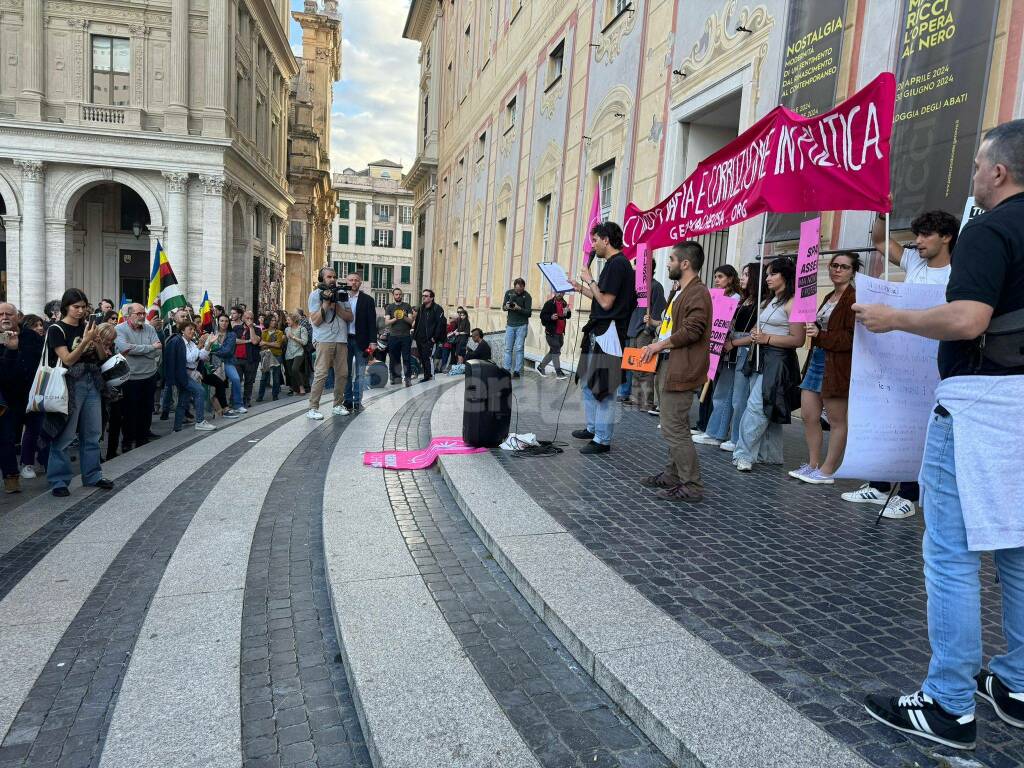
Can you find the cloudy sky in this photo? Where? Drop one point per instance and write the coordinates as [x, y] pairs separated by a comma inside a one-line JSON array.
[[375, 102]]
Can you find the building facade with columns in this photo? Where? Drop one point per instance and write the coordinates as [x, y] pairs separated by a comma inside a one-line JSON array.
[[526, 108], [373, 229], [126, 122], [311, 216]]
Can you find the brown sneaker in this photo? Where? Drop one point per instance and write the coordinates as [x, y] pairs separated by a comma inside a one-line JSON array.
[[681, 493], [660, 480], [12, 484]]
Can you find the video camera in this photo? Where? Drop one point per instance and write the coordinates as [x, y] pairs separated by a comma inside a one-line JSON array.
[[333, 294]]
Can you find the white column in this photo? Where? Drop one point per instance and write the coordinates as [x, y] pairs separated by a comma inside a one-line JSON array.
[[33, 237], [219, 51], [58, 245], [216, 250], [176, 117], [176, 244], [12, 238], [32, 61]]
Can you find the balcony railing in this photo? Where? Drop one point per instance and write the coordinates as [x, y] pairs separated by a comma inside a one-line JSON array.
[[293, 242], [100, 115]]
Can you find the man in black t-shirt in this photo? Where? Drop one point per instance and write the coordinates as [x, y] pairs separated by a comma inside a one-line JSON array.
[[600, 372], [970, 475]]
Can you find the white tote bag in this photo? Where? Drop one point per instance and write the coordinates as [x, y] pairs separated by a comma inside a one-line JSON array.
[[49, 393]]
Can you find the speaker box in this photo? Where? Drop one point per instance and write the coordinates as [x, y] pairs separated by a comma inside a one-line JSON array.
[[487, 409]]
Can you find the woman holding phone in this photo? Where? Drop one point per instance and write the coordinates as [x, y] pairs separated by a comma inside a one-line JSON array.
[[76, 343]]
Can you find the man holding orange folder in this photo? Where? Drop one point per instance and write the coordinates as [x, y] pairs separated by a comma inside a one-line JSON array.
[[686, 337]]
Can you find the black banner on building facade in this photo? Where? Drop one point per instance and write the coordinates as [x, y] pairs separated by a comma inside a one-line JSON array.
[[810, 74], [945, 49]]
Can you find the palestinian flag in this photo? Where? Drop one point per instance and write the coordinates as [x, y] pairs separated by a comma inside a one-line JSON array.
[[125, 301], [164, 293], [206, 313]]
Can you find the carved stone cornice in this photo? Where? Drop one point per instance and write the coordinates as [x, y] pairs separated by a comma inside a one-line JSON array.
[[82, 24], [213, 185], [31, 170], [719, 39], [610, 45], [117, 14], [177, 182], [139, 30]]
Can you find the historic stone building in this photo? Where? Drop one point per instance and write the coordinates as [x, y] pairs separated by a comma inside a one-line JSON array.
[[373, 228], [526, 107], [309, 138], [126, 122]]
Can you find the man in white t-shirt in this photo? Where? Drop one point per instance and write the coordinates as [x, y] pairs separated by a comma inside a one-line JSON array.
[[928, 263], [330, 321]]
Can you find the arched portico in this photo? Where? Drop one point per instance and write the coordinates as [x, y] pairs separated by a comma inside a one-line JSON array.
[[10, 239]]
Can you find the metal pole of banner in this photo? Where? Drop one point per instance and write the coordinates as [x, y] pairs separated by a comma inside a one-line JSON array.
[[887, 246], [760, 282]]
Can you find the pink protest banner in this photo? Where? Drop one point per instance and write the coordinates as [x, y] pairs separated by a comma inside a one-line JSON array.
[[420, 459], [722, 310], [805, 300], [644, 267], [784, 163], [594, 218]]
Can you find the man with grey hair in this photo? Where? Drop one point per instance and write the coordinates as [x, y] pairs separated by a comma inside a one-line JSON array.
[[138, 341], [971, 475]]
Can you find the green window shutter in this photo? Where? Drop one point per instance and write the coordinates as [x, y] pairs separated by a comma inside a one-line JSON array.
[[407, 240], [343, 209], [360, 235], [343, 234], [406, 275]]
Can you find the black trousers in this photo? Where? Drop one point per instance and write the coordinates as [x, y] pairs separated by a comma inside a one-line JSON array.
[[247, 372], [136, 406], [425, 350]]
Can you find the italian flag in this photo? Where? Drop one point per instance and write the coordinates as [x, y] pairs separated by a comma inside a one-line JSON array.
[[164, 293]]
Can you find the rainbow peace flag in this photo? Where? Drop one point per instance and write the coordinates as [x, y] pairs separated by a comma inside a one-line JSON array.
[[125, 301], [164, 293], [206, 313]]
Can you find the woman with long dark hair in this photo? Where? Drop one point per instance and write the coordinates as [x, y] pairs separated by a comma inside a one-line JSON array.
[[726, 279], [75, 343], [773, 367], [826, 379]]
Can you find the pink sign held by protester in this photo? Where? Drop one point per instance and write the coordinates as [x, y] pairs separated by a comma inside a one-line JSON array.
[[644, 267], [419, 459], [592, 221], [722, 310], [805, 300]]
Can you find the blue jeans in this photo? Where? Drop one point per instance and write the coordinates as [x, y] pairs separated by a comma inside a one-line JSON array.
[[954, 588], [515, 345], [759, 439], [601, 416], [197, 394], [721, 413], [166, 398], [626, 387], [275, 373], [740, 392], [236, 385], [85, 421], [355, 385]]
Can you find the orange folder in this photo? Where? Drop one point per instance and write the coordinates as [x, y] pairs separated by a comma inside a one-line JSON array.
[[631, 357]]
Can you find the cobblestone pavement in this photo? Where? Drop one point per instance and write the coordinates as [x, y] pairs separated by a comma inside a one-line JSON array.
[[557, 708], [793, 585], [65, 716], [296, 703]]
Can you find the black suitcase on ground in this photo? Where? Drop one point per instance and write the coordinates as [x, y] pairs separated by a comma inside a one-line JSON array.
[[487, 409]]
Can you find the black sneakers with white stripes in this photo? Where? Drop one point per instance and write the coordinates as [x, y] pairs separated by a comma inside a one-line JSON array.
[[920, 715], [1007, 704]]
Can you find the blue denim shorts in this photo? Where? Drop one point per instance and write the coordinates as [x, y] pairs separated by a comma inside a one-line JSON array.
[[815, 371]]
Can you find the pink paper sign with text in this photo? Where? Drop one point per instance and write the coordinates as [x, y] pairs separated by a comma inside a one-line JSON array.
[[722, 310], [643, 270], [805, 299], [419, 459]]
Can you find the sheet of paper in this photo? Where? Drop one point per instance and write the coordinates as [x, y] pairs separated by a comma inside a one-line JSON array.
[[609, 341], [892, 388], [556, 277]]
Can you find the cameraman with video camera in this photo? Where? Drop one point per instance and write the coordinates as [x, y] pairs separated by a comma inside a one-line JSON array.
[[330, 314]]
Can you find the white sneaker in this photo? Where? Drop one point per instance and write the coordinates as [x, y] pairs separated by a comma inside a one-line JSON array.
[[242, 410], [817, 477], [28, 472], [314, 414], [866, 494], [339, 410], [204, 426], [540, 371], [561, 376], [743, 465], [899, 508], [704, 439], [802, 470], [728, 445], [694, 432], [655, 412]]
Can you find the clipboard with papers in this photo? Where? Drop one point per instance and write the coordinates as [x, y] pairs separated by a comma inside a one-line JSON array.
[[556, 277]]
